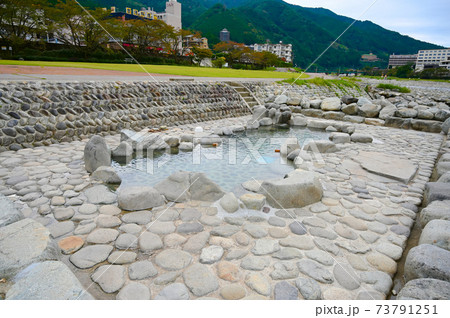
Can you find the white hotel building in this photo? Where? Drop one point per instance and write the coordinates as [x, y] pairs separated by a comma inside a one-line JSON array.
[[281, 50], [433, 58]]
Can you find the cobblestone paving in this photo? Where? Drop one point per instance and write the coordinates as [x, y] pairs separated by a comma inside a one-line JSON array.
[[191, 250]]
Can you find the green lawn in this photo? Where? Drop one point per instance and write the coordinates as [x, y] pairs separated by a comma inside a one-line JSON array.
[[162, 69]]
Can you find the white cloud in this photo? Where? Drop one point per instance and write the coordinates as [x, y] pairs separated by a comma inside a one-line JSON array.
[[427, 21]]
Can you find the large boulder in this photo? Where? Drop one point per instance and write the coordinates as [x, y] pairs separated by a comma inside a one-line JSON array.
[[143, 140], [300, 189], [281, 99], [406, 113], [49, 280], [331, 103], [137, 198], [436, 191], [106, 175], [387, 112], [427, 261], [350, 109], [347, 99], [446, 126], [183, 186], [96, 154], [23, 243], [425, 289], [442, 167], [369, 110], [298, 120], [436, 210], [339, 138], [436, 232], [8, 213]]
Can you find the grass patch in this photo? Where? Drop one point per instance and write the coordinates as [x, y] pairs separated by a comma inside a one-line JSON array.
[[160, 69], [397, 88], [341, 84]]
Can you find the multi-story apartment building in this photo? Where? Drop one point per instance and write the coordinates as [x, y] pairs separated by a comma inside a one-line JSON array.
[[283, 51], [433, 58], [400, 60], [172, 15]]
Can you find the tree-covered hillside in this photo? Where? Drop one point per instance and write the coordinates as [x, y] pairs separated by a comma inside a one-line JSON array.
[[310, 30]]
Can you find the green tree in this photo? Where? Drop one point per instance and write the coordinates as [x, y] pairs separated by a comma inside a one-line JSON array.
[[21, 20], [201, 54]]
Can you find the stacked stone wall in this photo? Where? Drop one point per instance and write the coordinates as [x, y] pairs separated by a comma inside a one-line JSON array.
[[43, 113]]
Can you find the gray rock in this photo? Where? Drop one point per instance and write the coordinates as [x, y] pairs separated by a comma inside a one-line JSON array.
[[106, 175], [331, 104], [425, 289], [8, 213], [182, 186], [224, 230], [298, 121], [140, 217], [427, 261], [229, 202], [102, 236], [315, 270], [435, 210], [173, 260], [446, 126], [175, 291], [22, 243], [259, 283], [287, 253], [124, 150], [442, 167], [360, 137], [321, 146], [436, 232], [284, 270], [96, 154], [265, 246], [436, 191], [49, 280], [309, 288], [285, 291], [149, 242], [380, 281], [134, 198], [255, 263], [122, 257], [387, 112], [298, 190], [350, 109], [134, 291], [186, 146], [189, 228], [211, 254], [90, 256], [110, 278], [340, 138], [200, 280], [346, 276], [265, 121], [143, 140], [142, 270], [289, 145], [126, 241], [100, 194], [406, 113], [445, 178], [297, 227], [369, 110], [196, 242], [253, 201]]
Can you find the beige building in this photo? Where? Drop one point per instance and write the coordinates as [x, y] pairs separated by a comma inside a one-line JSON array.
[[433, 58], [400, 60]]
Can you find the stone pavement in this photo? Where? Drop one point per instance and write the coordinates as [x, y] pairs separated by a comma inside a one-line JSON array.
[[343, 247]]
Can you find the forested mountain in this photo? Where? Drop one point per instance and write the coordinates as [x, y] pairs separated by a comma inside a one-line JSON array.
[[310, 30]]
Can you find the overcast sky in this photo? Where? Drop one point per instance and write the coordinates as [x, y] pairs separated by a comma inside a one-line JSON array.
[[426, 20]]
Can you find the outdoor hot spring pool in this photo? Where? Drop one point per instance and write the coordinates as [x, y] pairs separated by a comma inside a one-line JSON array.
[[241, 157]]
